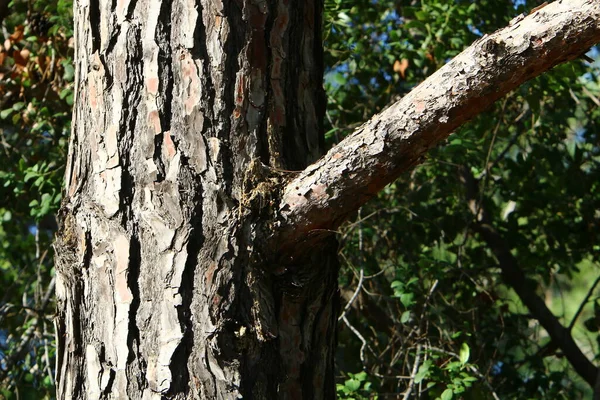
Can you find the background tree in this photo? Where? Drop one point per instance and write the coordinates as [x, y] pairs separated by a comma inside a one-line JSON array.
[[415, 332]]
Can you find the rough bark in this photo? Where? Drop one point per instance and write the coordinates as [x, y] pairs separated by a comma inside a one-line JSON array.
[[179, 107], [352, 172]]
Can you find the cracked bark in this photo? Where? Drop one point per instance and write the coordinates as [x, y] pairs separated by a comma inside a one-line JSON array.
[[188, 264], [160, 291]]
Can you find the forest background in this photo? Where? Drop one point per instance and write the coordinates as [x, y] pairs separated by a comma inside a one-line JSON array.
[[427, 310]]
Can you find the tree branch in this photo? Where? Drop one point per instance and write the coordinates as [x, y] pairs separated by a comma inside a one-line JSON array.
[[514, 276], [327, 192]]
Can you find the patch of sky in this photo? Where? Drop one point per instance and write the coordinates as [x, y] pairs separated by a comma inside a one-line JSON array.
[[497, 368], [517, 3]]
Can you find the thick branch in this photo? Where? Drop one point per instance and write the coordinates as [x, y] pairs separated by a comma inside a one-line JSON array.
[[352, 172], [513, 276]]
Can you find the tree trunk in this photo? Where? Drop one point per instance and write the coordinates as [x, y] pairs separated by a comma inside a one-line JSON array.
[[187, 117]]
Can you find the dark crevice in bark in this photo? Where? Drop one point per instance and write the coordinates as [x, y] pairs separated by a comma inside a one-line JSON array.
[[259, 361], [128, 187], [112, 42], [61, 331], [295, 136], [318, 72], [180, 359], [200, 51], [133, 275], [108, 77], [77, 338], [111, 377], [263, 138], [130, 9], [232, 48], [133, 271], [208, 94], [294, 159], [160, 166], [95, 22], [165, 88]]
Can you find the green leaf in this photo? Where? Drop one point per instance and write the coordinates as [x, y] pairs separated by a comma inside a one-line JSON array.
[[405, 317], [412, 280], [397, 284], [464, 353], [407, 299], [352, 384], [18, 106], [64, 93], [5, 113], [421, 15], [361, 376], [423, 371], [7, 216], [29, 175], [447, 395], [69, 72]]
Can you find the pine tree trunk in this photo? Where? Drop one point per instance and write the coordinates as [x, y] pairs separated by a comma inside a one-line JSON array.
[[188, 117]]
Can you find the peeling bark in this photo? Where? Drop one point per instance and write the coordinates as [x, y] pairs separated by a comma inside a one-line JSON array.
[[352, 172]]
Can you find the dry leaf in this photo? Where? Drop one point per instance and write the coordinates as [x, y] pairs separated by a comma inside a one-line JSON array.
[[400, 67]]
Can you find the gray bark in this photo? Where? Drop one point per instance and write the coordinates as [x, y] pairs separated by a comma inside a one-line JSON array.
[[190, 264]]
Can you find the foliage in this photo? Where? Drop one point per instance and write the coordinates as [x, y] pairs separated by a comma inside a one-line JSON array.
[[356, 387], [36, 94], [431, 312]]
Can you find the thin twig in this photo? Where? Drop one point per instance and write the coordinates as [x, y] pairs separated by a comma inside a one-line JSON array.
[[355, 295], [583, 303], [361, 338], [413, 373]]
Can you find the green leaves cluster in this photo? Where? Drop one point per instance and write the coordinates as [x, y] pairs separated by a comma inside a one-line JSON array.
[[433, 294], [356, 387]]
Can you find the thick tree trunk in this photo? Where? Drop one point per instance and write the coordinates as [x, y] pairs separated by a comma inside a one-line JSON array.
[[187, 116]]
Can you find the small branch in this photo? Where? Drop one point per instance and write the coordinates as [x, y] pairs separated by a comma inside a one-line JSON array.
[[413, 373], [355, 295], [583, 303], [514, 276], [361, 338]]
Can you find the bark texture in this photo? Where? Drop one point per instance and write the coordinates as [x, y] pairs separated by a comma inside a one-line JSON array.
[[186, 114], [352, 172]]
